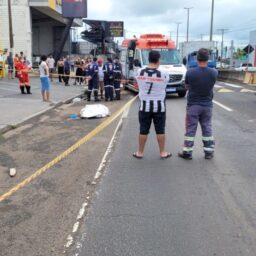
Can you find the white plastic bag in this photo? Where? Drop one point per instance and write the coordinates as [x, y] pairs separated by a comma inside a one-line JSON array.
[[94, 111]]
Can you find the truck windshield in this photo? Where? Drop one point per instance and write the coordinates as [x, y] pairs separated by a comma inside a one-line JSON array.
[[168, 56]]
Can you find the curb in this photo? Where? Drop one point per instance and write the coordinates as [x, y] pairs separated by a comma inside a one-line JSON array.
[[10, 127]]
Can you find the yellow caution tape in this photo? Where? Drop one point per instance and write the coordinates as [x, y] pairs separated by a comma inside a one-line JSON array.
[[67, 152]]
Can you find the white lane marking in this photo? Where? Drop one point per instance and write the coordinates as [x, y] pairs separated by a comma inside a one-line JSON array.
[[98, 174], [233, 85], [70, 241], [76, 226], [103, 162], [222, 106], [217, 86], [81, 211]]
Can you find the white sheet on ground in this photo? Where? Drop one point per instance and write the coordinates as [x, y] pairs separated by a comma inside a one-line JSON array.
[[97, 110]]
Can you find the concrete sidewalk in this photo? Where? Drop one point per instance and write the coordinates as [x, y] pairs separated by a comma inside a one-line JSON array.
[[15, 107]]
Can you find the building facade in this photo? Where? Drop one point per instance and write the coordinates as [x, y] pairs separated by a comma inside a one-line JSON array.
[[38, 27]]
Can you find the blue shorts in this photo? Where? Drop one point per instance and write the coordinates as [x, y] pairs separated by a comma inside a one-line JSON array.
[[45, 82]]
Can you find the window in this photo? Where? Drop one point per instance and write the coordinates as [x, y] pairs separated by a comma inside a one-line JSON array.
[[168, 56]]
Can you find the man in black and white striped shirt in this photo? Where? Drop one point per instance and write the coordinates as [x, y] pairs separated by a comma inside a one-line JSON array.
[[152, 84]]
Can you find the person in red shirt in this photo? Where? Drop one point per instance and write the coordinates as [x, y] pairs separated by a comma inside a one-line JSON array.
[[22, 73]]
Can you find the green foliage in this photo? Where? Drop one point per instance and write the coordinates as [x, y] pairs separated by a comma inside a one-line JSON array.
[[239, 54]]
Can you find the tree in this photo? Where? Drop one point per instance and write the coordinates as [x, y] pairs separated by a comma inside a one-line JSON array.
[[239, 54]]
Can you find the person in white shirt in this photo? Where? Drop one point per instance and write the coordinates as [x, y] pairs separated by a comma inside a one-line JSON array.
[[50, 62], [44, 77], [152, 84], [101, 78]]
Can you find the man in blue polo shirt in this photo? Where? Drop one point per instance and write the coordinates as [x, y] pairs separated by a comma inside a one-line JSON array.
[[200, 82]]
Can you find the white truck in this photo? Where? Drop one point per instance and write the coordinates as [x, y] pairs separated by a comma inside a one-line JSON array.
[[246, 67]]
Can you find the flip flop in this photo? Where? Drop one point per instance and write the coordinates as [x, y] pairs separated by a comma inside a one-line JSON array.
[[168, 154], [136, 156]]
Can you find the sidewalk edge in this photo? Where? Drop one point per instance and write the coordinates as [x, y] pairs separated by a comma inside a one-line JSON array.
[[10, 127]]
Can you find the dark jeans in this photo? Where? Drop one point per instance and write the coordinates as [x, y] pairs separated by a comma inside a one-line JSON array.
[[66, 76], [61, 73]]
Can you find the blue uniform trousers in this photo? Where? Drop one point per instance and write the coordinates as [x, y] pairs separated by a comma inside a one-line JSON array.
[[202, 115]]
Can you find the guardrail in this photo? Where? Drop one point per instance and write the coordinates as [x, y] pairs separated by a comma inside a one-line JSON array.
[[237, 76]]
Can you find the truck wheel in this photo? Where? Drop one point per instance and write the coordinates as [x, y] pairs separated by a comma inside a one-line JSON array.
[[181, 94]]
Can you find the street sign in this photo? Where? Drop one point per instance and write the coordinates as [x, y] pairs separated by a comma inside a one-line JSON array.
[[116, 28], [248, 49], [74, 8]]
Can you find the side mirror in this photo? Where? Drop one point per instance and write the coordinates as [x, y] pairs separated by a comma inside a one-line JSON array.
[[184, 61], [137, 63]]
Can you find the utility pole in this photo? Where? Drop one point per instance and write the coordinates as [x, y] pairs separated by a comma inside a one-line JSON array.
[[10, 25], [188, 9], [223, 30], [170, 33], [177, 35], [231, 54], [211, 27]]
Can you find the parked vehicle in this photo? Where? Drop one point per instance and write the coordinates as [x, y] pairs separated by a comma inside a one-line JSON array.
[[246, 67], [188, 53], [134, 55]]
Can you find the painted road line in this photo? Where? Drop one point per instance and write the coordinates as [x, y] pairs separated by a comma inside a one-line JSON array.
[[98, 174], [222, 106], [217, 86], [233, 85], [109, 149], [67, 152], [225, 90]]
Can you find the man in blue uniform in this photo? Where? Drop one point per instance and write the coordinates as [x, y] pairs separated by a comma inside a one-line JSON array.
[[108, 70], [92, 74], [200, 82], [67, 68], [117, 78]]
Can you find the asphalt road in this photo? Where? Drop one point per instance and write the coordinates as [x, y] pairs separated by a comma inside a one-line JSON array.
[[138, 207], [37, 219], [176, 207]]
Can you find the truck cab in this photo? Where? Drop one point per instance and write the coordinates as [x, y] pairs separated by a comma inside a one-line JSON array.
[[134, 55], [191, 60]]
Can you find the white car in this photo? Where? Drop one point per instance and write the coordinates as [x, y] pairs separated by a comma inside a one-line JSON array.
[[246, 67]]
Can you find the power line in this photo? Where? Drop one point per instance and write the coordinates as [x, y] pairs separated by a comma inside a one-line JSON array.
[[243, 23]]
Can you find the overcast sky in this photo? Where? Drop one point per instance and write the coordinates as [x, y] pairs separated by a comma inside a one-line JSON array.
[[149, 16]]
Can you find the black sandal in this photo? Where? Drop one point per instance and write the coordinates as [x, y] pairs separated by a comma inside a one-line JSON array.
[[168, 154], [136, 156]]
